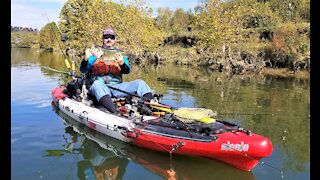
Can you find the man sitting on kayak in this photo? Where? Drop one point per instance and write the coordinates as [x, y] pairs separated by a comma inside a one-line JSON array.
[[105, 66]]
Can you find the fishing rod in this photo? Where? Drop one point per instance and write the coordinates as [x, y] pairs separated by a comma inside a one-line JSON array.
[[64, 38], [55, 70]]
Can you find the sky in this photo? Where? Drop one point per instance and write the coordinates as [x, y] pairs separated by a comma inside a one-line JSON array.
[[37, 13]]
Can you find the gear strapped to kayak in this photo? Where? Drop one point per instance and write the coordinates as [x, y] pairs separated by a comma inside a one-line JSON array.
[[148, 108], [195, 114]]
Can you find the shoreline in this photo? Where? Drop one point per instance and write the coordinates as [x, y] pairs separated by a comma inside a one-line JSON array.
[[266, 71]]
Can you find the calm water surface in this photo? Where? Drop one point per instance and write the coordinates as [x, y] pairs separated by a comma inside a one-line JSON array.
[[47, 145]]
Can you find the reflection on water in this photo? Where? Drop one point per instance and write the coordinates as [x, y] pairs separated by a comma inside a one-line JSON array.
[[276, 108]]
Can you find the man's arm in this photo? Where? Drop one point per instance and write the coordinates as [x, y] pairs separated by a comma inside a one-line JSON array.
[[83, 66], [87, 61], [125, 69], [123, 63]]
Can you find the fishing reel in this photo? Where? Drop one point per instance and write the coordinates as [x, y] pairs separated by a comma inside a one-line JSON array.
[[158, 96], [64, 38]]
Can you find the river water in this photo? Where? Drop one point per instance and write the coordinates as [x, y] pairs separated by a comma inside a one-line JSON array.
[[47, 145]]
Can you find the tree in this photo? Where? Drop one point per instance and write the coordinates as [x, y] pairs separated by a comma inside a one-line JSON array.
[[214, 25], [163, 18], [292, 10], [78, 22], [179, 21], [48, 37], [84, 20]]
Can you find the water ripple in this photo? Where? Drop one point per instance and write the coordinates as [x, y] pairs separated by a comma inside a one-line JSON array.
[[29, 86]]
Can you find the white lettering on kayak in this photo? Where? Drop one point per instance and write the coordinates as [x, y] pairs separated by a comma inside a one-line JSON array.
[[234, 147]]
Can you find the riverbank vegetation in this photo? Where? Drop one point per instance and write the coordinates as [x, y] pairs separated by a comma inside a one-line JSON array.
[[22, 37], [233, 36]]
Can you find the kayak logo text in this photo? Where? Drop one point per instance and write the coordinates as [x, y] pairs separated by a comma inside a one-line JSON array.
[[234, 147]]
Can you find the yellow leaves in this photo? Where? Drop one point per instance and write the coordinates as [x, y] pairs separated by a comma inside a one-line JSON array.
[[215, 24]]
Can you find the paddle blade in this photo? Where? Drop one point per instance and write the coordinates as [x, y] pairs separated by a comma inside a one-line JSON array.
[[161, 108], [207, 120]]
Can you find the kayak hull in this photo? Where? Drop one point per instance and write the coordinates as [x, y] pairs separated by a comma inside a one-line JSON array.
[[94, 118], [237, 149]]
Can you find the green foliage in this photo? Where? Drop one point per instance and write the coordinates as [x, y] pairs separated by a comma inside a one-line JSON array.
[[214, 25], [179, 21], [49, 37], [225, 22], [138, 34], [77, 16], [292, 10], [176, 22], [240, 23], [292, 38], [84, 20], [260, 15], [24, 39], [163, 18]]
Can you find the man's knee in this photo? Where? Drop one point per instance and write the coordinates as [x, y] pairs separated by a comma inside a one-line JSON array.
[[140, 82], [99, 89], [97, 83]]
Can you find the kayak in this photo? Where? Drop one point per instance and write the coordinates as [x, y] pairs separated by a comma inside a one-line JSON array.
[[162, 130], [232, 145], [159, 163]]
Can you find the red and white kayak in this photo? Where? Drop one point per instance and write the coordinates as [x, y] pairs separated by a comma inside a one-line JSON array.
[[220, 140], [237, 147], [104, 122]]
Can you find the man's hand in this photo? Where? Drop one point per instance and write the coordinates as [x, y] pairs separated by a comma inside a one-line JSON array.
[[119, 58], [87, 54], [172, 174], [96, 51]]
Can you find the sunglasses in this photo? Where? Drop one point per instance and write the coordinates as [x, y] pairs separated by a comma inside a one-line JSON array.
[[107, 36]]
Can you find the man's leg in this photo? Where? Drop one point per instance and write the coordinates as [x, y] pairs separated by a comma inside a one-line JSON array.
[[106, 101], [138, 87], [103, 95]]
